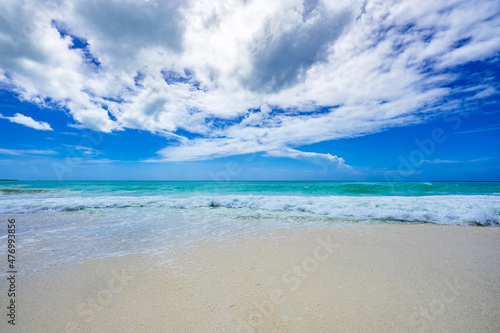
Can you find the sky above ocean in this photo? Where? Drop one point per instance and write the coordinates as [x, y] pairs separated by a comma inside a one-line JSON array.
[[243, 90]]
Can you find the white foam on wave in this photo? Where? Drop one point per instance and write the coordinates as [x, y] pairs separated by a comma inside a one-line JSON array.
[[455, 209]]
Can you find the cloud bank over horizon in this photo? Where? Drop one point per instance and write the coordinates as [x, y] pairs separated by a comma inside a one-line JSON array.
[[235, 77]]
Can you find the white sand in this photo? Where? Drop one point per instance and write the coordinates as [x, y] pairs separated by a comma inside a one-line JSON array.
[[374, 278]]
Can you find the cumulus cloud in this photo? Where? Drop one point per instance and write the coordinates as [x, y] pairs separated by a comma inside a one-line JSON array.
[[28, 121], [245, 76], [286, 47]]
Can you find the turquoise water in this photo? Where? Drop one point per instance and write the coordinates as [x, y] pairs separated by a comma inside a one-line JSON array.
[[183, 188], [74, 221], [475, 203]]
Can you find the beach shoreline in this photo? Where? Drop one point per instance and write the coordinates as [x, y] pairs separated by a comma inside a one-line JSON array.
[[368, 277]]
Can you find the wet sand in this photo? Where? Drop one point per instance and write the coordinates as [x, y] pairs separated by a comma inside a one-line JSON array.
[[364, 278]]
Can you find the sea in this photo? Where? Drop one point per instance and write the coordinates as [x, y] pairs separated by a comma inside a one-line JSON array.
[[74, 221]]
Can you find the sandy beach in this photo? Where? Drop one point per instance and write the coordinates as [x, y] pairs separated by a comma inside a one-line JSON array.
[[365, 278], [307, 166]]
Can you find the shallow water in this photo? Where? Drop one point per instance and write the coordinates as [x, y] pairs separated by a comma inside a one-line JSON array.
[[60, 222]]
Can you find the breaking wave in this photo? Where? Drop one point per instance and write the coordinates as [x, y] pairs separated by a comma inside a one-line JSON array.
[[453, 209]]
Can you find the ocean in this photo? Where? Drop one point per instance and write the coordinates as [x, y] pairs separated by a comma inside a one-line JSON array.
[[79, 220]]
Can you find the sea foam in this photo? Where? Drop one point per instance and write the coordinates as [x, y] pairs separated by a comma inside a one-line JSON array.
[[453, 209]]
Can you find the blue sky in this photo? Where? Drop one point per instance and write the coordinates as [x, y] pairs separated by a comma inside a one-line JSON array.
[[293, 90]]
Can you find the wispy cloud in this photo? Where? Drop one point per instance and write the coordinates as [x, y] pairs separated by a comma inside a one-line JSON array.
[[297, 154], [494, 127], [440, 161], [83, 151], [28, 121], [99, 161], [6, 151], [245, 76]]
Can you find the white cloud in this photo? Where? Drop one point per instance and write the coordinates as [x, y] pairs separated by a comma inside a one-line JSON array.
[[99, 161], [244, 76], [440, 161], [83, 151], [28, 121], [493, 127], [6, 151], [293, 153], [487, 92]]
